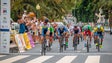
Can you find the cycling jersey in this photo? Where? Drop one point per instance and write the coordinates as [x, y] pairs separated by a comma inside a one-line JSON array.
[[98, 31], [51, 31], [76, 30], [87, 30], [61, 31], [45, 28]]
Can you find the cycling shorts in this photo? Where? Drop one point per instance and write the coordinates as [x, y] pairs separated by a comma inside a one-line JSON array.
[[100, 34], [44, 31], [51, 34], [95, 34]]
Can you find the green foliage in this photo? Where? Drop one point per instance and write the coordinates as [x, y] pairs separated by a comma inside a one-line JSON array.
[[53, 9], [85, 9]]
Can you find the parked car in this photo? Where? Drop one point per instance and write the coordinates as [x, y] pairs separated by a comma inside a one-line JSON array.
[[107, 29]]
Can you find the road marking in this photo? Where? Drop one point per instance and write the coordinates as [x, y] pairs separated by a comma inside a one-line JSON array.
[[2, 55], [66, 59], [81, 53], [40, 59], [13, 59], [93, 59], [78, 51]]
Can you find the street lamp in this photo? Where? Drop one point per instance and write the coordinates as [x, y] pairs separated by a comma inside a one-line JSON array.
[[37, 7]]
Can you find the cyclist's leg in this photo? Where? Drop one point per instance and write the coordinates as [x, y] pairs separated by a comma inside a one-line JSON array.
[[74, 39], [66, 39], [95, 37], [42, 36], [50, 40], [85, 42], [101, 37]]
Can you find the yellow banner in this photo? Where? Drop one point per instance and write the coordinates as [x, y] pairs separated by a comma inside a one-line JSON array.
[[27, 41]]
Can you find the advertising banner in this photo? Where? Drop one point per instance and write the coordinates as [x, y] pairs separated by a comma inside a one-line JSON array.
[[4, 26]]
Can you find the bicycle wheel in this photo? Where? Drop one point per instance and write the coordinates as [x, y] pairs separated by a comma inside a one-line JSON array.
[[87, 46], [43, 52], [61, 47], [64, 46], [61, 44], [75, 43], [44, 48], [75, 47]]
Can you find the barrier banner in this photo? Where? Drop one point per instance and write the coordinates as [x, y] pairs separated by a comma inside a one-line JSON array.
[[19, 43], [27, 41], [31, 40], [4, 26], [22, 39]]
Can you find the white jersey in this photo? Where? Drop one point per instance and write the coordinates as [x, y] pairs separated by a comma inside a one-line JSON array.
[[42, 24], [79, 29]]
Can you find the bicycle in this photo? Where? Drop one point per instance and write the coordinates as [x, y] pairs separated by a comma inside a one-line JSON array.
[[43, 52], [75, 43], [88, 42], [49, 44], [98, 41], [62, 43]]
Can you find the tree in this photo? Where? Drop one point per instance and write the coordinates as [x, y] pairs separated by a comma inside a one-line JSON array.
[[53, 9]]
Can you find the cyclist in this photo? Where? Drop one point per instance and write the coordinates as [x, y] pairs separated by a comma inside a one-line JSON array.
[[99, 31], [62, 30], [76, 33], [45, 31], [67, 36], [51, 35], [87, 30]]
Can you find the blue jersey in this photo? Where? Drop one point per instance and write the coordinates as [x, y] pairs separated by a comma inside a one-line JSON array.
[[62, 31]]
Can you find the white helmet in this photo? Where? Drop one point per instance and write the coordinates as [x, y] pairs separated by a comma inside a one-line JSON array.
[[99, 26]]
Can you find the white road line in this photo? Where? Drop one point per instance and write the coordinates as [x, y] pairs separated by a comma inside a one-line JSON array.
[[93, 59], [2, 55], [40, 59], [66, 59], [13, 59]]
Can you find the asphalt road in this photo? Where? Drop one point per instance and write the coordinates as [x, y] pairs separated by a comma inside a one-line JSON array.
[[107, 45], [68, 56]]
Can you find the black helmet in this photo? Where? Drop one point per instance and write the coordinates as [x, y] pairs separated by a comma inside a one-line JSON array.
[[46, 21]]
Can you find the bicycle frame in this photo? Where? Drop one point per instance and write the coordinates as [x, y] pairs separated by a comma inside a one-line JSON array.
[[98, 41], [62, 43]]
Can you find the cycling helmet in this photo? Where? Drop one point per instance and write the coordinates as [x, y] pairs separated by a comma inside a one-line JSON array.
[[99, 26], [46, 21], [75, 25], [61, 26]]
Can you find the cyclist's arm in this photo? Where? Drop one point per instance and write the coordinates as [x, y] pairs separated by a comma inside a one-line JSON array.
[[58, 32], [103, 32], [53, 31], [65, 29]]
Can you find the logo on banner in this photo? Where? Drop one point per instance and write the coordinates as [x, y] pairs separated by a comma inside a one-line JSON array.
[[4, 4], [4, 20], [4, 11]]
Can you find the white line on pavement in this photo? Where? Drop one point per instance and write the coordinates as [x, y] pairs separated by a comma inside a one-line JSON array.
[[2, 55], [93, 59], [66, 59], [40, 59], [13, 59]]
